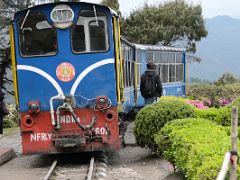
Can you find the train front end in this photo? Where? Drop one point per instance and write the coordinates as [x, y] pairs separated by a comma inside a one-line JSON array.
[[64, 71]]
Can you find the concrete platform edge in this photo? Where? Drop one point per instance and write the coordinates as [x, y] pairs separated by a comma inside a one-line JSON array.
[[6, 154]]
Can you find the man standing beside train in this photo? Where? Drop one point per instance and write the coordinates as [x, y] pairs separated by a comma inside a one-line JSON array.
[[150, 86]]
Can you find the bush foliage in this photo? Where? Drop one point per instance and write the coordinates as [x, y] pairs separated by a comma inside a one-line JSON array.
[[195, 146], [226, 78], [152, 118], [236, 102], [10, 120], [213, 95], [221, 116]]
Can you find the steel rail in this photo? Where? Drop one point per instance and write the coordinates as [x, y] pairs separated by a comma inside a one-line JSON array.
[[47, 176], [90, 172]]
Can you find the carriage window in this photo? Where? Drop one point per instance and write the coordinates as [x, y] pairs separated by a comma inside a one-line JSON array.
[[172, 73], [89, 34], [128, 65], [165, 72], [179, 72], [150, 56], [138, 55], [36, 36], [179, 57]]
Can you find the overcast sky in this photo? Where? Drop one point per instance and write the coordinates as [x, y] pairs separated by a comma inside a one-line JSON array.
[[211, 8]]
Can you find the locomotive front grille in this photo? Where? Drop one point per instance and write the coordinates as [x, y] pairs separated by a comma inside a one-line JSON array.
[[66, 142], [69, 141]]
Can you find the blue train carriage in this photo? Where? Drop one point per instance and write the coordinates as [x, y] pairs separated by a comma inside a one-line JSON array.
[[130, 79], [170, 65], [68, 78]]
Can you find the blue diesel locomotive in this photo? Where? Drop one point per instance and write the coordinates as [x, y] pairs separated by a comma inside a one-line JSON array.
[[72, 72]]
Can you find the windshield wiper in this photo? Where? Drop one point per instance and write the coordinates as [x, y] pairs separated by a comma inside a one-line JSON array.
[[24, 20], [95, 14]]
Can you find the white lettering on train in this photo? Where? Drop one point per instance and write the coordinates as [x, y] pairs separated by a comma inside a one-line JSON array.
[[100, 131], [40, 137], [67, 119], [48, 136]]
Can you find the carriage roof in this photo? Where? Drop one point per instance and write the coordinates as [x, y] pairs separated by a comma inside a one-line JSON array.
[[158, 48], [152, 47]]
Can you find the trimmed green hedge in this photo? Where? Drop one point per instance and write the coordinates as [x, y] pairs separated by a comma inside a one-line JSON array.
[[221, 116], [195, 146], [152, 118]]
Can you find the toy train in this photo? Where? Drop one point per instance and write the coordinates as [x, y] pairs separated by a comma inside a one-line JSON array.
[[72, 72]]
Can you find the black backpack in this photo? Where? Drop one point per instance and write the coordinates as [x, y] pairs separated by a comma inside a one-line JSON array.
[[150, 86]]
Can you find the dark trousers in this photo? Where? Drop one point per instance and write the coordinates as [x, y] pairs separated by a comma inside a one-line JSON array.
[[149, 100]]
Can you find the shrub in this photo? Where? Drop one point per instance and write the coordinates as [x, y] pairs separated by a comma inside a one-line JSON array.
[[221, 116], [210, 113], [224, 116], [236, 102], [195, 146], [226, 78], [196, 103], [152, 118], [214, 96], [173, 98], [10, 120], [8, 123]]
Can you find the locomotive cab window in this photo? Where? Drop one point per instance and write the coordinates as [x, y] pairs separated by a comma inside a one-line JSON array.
[[97, 36], [36, 36], [78, 38], [90, 34]]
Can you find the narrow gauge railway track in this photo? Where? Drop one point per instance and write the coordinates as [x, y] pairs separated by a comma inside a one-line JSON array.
[[95, 169]]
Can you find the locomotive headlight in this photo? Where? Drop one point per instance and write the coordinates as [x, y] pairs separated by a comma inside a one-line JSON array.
[[62, 16], [102, 102], [34, 107]]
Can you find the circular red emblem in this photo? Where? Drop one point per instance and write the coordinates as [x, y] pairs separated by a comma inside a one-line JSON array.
[[65, 72]]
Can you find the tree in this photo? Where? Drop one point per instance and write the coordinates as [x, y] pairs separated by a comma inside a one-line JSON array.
[[114, 4], [166, 24], [226, 78], [7, 10]]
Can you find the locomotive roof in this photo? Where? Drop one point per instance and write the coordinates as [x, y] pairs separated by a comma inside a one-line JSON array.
[[113, 12]]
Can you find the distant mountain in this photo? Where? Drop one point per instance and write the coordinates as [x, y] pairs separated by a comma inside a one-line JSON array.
[[219, 51]]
